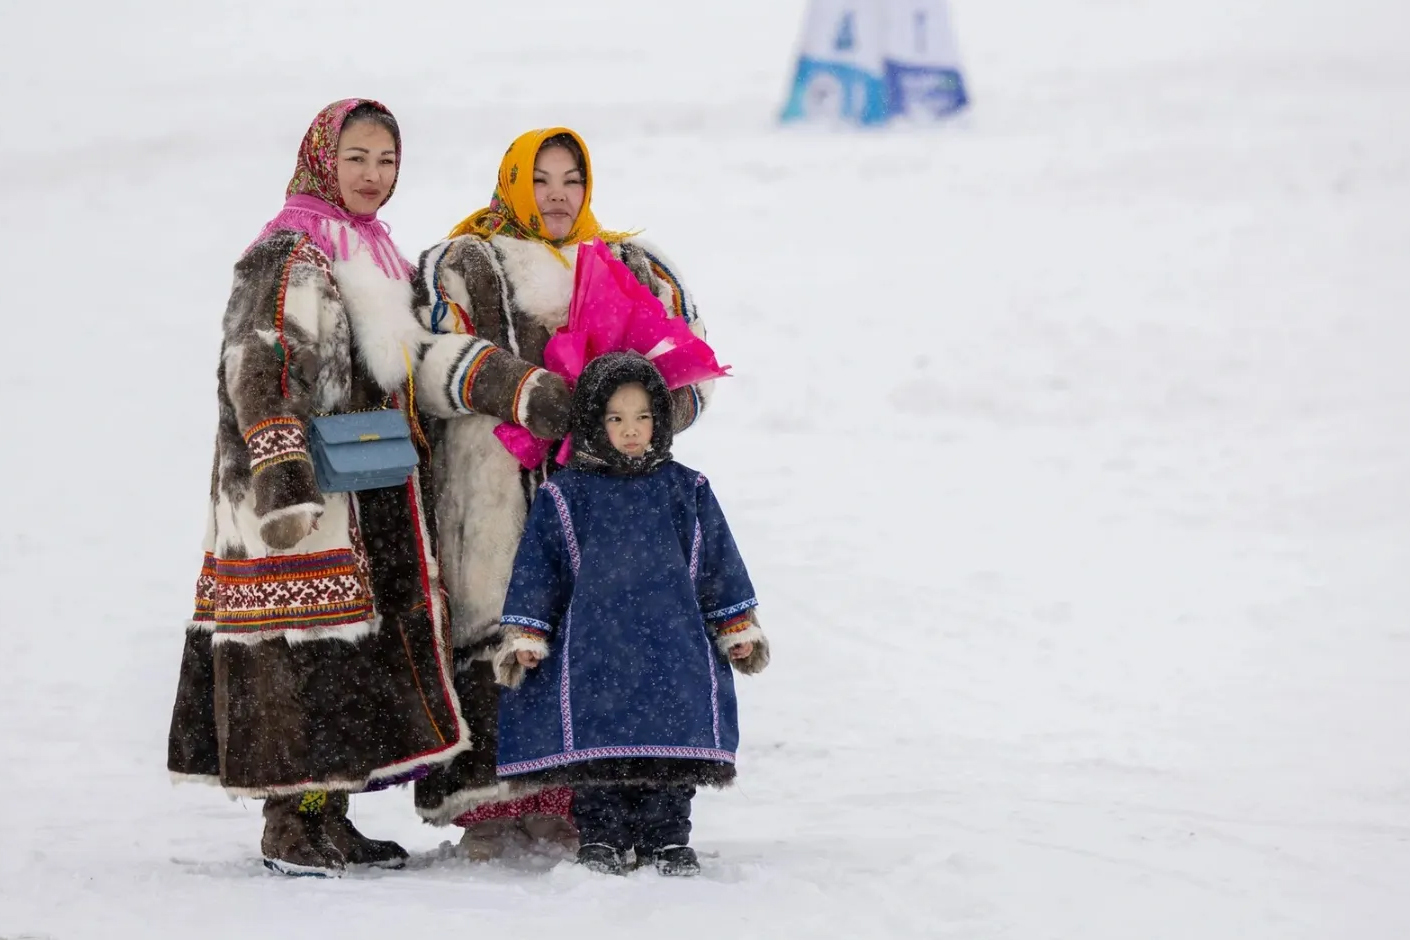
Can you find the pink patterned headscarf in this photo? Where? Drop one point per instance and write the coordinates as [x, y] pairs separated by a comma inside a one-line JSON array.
[[315, 201]]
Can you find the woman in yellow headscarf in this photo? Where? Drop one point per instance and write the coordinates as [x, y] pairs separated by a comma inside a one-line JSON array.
[[505, 276], [551, 164]]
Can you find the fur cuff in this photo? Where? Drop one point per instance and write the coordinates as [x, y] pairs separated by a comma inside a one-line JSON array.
[[758, 659], [447, 371], [507, 671]]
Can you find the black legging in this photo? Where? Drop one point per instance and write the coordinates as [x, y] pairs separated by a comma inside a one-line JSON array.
[[647, 817]]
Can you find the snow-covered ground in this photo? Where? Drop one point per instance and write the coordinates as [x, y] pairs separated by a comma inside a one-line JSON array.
[[1068, 448]]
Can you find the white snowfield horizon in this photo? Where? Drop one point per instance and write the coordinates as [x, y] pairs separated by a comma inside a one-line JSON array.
[[1066, 445]]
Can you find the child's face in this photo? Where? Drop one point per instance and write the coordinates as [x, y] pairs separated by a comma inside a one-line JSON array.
[[628, 420]]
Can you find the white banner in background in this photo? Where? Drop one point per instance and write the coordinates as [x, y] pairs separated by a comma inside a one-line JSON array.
[[868, 61]]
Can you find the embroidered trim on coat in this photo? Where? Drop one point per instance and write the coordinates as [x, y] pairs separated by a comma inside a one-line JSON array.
[[462, 375], [529, 624], [519, 409], [695, 543], [291, 592], [570, 537], [694, 407], [275, 441], [597, 753], [443, 305], [735, 625], [305, 252], [565, 699], [731, 611], [679, 307], [695, 547], [205, 592]]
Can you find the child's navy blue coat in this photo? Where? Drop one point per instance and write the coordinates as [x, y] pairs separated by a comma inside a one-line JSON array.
[[628, 579]]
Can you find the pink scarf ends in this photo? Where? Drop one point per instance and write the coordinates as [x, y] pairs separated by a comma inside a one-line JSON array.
[[314, 217]]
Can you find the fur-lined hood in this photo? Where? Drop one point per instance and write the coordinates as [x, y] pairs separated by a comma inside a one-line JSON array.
[[592, 449]]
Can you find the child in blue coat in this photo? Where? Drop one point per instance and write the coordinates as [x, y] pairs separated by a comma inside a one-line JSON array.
[[628, 605]]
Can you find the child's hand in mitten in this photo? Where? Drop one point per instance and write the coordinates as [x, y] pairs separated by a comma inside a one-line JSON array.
[[517, 654]]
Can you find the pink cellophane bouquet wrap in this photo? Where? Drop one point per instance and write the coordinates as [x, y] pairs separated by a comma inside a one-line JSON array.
[[611, 311]]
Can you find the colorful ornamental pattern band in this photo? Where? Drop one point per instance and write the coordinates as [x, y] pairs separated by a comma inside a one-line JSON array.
[[464, 372], [205, 592], [730, 612], [276, 441], [285, 592], [529, 626], [736, 625]]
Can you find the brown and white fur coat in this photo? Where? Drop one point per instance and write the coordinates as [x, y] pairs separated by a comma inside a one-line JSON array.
[[326, 664], [510, 295]]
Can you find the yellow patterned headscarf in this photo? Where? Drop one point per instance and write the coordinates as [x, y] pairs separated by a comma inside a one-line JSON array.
[[514, 211]]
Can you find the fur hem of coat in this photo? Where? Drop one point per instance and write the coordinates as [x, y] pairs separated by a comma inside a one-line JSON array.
[[180, 779], [632, 771], [348, 633], [266, 793], [469, 781], [508, 672], [443, 757], [464, 801], [346, 786]]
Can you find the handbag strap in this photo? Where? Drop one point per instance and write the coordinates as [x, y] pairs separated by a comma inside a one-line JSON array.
[[411, 417]]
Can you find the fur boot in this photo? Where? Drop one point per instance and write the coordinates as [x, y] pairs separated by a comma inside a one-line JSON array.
[[490, 839], [550, 830], [355, 847], [294, 842]]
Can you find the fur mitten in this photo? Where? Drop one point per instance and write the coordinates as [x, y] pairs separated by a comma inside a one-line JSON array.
[[283, 529], [507, 670], [745, 629], [546, 406]]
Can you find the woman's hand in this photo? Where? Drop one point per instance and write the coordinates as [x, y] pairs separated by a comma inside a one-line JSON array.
[[742, 651], [527, 658]]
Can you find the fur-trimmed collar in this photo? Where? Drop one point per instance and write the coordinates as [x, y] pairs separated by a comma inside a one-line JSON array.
[[543, 285], [386, 332]]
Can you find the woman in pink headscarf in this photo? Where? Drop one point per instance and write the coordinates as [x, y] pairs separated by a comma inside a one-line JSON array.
[[317, 662]]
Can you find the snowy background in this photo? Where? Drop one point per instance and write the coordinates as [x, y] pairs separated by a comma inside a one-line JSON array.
[[1068, 449]]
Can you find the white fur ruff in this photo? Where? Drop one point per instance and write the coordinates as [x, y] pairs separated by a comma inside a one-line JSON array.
[[468, 800], [385, 331], [347, 632], [543, 287]]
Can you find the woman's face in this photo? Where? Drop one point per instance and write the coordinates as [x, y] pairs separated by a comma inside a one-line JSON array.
[[559, 187], [367, 166]]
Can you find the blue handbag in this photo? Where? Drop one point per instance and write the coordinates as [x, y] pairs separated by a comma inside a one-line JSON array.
[[365, 450]]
